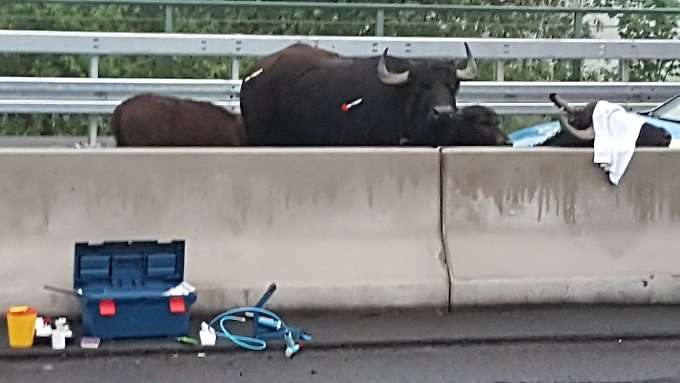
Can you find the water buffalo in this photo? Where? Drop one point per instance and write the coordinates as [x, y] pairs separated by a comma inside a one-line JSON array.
[[306, 96], [577, 128], [157, 120], [477, 126]]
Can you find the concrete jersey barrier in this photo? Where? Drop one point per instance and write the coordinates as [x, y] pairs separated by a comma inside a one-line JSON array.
[[345, 228], [351, 228], [545, 226]]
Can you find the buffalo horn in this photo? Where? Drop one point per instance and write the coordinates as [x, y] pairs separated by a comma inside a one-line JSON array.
[[586, 134], [562, 104], [470, 71], [388, 77]]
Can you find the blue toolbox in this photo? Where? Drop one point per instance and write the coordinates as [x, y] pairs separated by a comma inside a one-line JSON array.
[[123, 289]]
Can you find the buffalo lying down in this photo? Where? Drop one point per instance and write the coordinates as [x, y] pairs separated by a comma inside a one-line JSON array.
[[155, 120], [305, 96], [577, 128], [477, 126]]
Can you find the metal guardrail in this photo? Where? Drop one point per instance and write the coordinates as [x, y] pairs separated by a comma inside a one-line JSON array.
[[523, 92], [91, 107], [235, 45], [95, 96], [24, 106], [51, 141], [84, 88]]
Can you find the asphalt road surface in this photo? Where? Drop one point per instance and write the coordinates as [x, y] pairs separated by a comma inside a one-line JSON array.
[[602, 361]]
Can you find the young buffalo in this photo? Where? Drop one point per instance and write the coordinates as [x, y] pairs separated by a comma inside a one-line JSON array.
[[156, 120]]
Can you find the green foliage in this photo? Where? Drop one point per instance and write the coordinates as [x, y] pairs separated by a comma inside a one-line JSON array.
[[81, 17], [663, 27], [352, 21]]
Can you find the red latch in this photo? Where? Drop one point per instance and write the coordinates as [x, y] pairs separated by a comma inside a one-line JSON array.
[[107, 308], [177, 305]]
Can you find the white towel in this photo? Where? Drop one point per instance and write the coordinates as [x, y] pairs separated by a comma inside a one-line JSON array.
[[616, 132]]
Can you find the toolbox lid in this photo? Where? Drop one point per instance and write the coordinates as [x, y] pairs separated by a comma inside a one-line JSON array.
[[128, 265]]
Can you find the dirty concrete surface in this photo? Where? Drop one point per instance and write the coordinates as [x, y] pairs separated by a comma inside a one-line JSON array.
[[549, 361], [520, 344]]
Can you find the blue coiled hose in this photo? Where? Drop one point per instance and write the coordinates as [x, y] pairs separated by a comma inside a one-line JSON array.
[[247, 342]]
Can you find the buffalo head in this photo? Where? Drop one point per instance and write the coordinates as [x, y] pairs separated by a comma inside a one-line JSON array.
[[433, 87], [477, 126], [578, 122]]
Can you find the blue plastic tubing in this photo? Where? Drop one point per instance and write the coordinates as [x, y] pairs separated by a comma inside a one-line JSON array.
[[247, 342]]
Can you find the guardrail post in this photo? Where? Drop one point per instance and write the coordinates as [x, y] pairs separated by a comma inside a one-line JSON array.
[[94, 73], [624, 70], [380, 23], [500, 70], [235, 68], [168, 18], [578, 33], [500, 76]]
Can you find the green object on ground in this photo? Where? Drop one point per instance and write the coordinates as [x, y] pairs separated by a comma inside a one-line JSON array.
[[187, 340]]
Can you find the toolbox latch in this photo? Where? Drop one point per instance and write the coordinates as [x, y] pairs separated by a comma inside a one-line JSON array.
[[177, 305], [107, 308]]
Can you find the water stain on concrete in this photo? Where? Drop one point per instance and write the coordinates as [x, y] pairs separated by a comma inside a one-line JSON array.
[[561, 183]]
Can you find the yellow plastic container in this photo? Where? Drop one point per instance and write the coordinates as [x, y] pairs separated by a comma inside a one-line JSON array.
[[21, 326]]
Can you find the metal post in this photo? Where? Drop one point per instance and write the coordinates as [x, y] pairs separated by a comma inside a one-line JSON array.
[[235, 68], [500, 70], [500, 76], [578, 33], [168, 18], [94, 73], [380, 23], [624, 70]]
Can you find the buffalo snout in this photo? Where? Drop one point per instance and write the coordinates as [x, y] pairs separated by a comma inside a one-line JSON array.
[[444, 114], [441, 110]]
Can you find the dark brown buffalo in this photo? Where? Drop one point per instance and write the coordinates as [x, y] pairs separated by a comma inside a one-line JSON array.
[[478, 126], [306, 96], [577, 128], [156, 120]]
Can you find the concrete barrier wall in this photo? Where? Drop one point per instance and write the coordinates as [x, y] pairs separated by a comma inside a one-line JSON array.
[[353, 228], [545, 226]]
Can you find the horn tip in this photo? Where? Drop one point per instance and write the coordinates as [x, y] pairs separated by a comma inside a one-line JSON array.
[[468, 52]]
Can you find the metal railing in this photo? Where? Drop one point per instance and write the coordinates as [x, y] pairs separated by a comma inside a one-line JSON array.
[[81, 88], [238, 45], [96, 96], [523, 92], [92, 107], [96, 44]]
